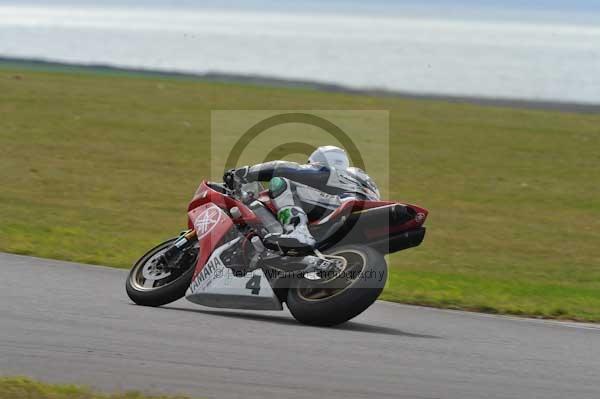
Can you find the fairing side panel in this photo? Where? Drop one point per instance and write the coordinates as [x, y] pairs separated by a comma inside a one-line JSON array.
[[217, 286]]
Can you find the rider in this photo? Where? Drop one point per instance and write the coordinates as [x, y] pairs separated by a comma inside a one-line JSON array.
[[317, 187]]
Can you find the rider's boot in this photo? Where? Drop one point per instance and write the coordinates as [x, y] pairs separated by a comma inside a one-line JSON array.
[[295, 226]]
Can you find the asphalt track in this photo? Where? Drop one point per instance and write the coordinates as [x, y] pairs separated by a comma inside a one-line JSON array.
[[66, 322]]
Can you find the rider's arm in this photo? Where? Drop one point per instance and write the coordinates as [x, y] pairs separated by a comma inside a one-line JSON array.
[[312, 175]]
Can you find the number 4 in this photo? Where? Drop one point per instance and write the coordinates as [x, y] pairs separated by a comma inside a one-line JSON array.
[[254, 284]]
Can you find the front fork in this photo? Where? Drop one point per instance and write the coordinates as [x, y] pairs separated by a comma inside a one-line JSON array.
[[183, 242]]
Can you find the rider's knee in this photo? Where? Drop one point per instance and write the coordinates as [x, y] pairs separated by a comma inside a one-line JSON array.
[[280, 191], [278, 186]]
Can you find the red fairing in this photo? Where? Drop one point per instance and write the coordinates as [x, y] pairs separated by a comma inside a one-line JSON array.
[[205, 195], [352, 206], [211, 225], [207, 215], [421, 216]]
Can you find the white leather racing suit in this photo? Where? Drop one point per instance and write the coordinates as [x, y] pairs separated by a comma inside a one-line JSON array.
[[309, 191]]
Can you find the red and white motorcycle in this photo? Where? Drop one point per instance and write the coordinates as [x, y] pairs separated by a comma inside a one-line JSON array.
[[221, 261]]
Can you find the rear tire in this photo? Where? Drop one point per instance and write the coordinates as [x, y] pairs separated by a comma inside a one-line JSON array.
[[348, 303], [161, 295]]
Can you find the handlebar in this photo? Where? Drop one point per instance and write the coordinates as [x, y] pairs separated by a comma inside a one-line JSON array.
[[236, 193]]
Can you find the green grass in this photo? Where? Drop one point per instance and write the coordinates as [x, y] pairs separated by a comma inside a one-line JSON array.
[[98, 168], [25, 388]]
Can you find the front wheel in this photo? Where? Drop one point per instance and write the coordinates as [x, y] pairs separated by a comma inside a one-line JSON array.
[[327, 302], [151, 284]]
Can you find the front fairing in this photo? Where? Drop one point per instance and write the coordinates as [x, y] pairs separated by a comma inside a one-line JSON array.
[[212, 224], [211, 193]]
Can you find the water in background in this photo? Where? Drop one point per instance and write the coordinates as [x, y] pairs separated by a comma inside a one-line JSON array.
[[414, 53]]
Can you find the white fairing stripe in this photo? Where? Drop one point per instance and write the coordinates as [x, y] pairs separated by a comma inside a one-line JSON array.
[[217, 286]]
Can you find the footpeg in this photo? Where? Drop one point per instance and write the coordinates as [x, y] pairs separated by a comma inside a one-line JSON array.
[[286, 244], [322, 266]]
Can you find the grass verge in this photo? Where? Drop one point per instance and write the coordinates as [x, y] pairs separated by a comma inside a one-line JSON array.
[[97, 169], [26, 388]]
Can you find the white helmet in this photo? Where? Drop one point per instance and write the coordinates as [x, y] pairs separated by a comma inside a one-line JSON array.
[[330, 155]]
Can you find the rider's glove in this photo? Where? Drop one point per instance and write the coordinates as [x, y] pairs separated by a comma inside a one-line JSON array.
[[234, 178], [229, 179]]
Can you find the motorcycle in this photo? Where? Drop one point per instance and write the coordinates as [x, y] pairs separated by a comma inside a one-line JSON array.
[[223, 259]]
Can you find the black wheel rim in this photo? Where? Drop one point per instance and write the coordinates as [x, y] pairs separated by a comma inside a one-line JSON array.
[[148, 274]]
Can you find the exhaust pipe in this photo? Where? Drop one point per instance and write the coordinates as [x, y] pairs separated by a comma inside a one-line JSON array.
[[398, 241]]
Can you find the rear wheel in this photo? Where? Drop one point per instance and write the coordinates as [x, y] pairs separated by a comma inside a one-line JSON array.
[[152, 284], [344, 295]]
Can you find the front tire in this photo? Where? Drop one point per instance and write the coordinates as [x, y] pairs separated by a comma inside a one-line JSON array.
[[148, 287], [313, 305]]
